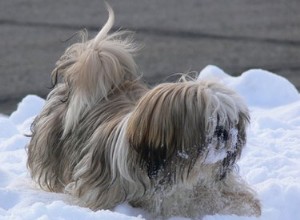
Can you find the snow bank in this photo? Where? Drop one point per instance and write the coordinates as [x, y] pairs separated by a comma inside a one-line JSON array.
[[270, 163], [259, 87]]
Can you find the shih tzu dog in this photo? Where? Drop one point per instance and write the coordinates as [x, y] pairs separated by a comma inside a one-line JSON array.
[[105, 138]]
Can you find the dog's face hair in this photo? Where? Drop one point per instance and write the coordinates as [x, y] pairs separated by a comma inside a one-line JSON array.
[[174, 124], [104, 137]]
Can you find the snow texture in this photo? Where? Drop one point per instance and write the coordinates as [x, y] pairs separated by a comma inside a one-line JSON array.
[[270, 162]]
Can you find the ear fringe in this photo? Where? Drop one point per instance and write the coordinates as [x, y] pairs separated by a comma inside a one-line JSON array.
[[92, 69]]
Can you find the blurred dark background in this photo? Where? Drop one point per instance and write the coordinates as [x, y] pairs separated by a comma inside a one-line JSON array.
[[178, 36]]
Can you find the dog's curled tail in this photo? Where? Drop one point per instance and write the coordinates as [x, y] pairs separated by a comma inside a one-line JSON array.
[[92, 69]]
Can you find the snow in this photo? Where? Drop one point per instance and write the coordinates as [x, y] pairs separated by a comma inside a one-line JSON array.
[[270, 162], [259, 88]]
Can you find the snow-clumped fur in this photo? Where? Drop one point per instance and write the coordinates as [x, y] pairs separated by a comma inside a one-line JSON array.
[[105, 138]]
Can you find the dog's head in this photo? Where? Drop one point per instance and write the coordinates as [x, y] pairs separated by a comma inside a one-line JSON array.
[[176, 125]]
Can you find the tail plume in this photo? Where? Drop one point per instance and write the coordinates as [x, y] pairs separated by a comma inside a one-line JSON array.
[[92, 69]]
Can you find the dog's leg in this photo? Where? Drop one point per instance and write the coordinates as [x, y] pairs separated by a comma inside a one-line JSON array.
[[195, 202], [227, 197], [238, 198]]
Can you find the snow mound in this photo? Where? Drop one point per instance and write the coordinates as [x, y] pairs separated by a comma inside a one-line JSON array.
[[270, 162], [29, 107], [258, 87]]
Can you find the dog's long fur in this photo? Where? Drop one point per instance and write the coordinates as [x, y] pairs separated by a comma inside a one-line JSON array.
[[105, 138]]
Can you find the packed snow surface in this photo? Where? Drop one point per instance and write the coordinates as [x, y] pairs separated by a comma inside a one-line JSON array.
[[270, 162]]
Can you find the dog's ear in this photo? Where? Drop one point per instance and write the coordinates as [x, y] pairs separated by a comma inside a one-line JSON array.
[[165, 129]]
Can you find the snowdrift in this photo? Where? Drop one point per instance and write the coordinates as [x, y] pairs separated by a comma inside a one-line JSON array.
[[270, 162]]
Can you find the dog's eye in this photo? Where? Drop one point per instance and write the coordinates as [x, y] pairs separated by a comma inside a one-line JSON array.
[[221, 133]]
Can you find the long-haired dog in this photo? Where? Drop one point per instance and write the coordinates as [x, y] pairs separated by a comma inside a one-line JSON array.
[[105, 138]]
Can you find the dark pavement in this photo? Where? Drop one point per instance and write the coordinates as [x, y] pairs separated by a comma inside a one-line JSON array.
[[177, 36]]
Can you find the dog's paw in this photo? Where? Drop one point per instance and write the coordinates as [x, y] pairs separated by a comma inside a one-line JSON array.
[[254, 207], [242, 204]]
